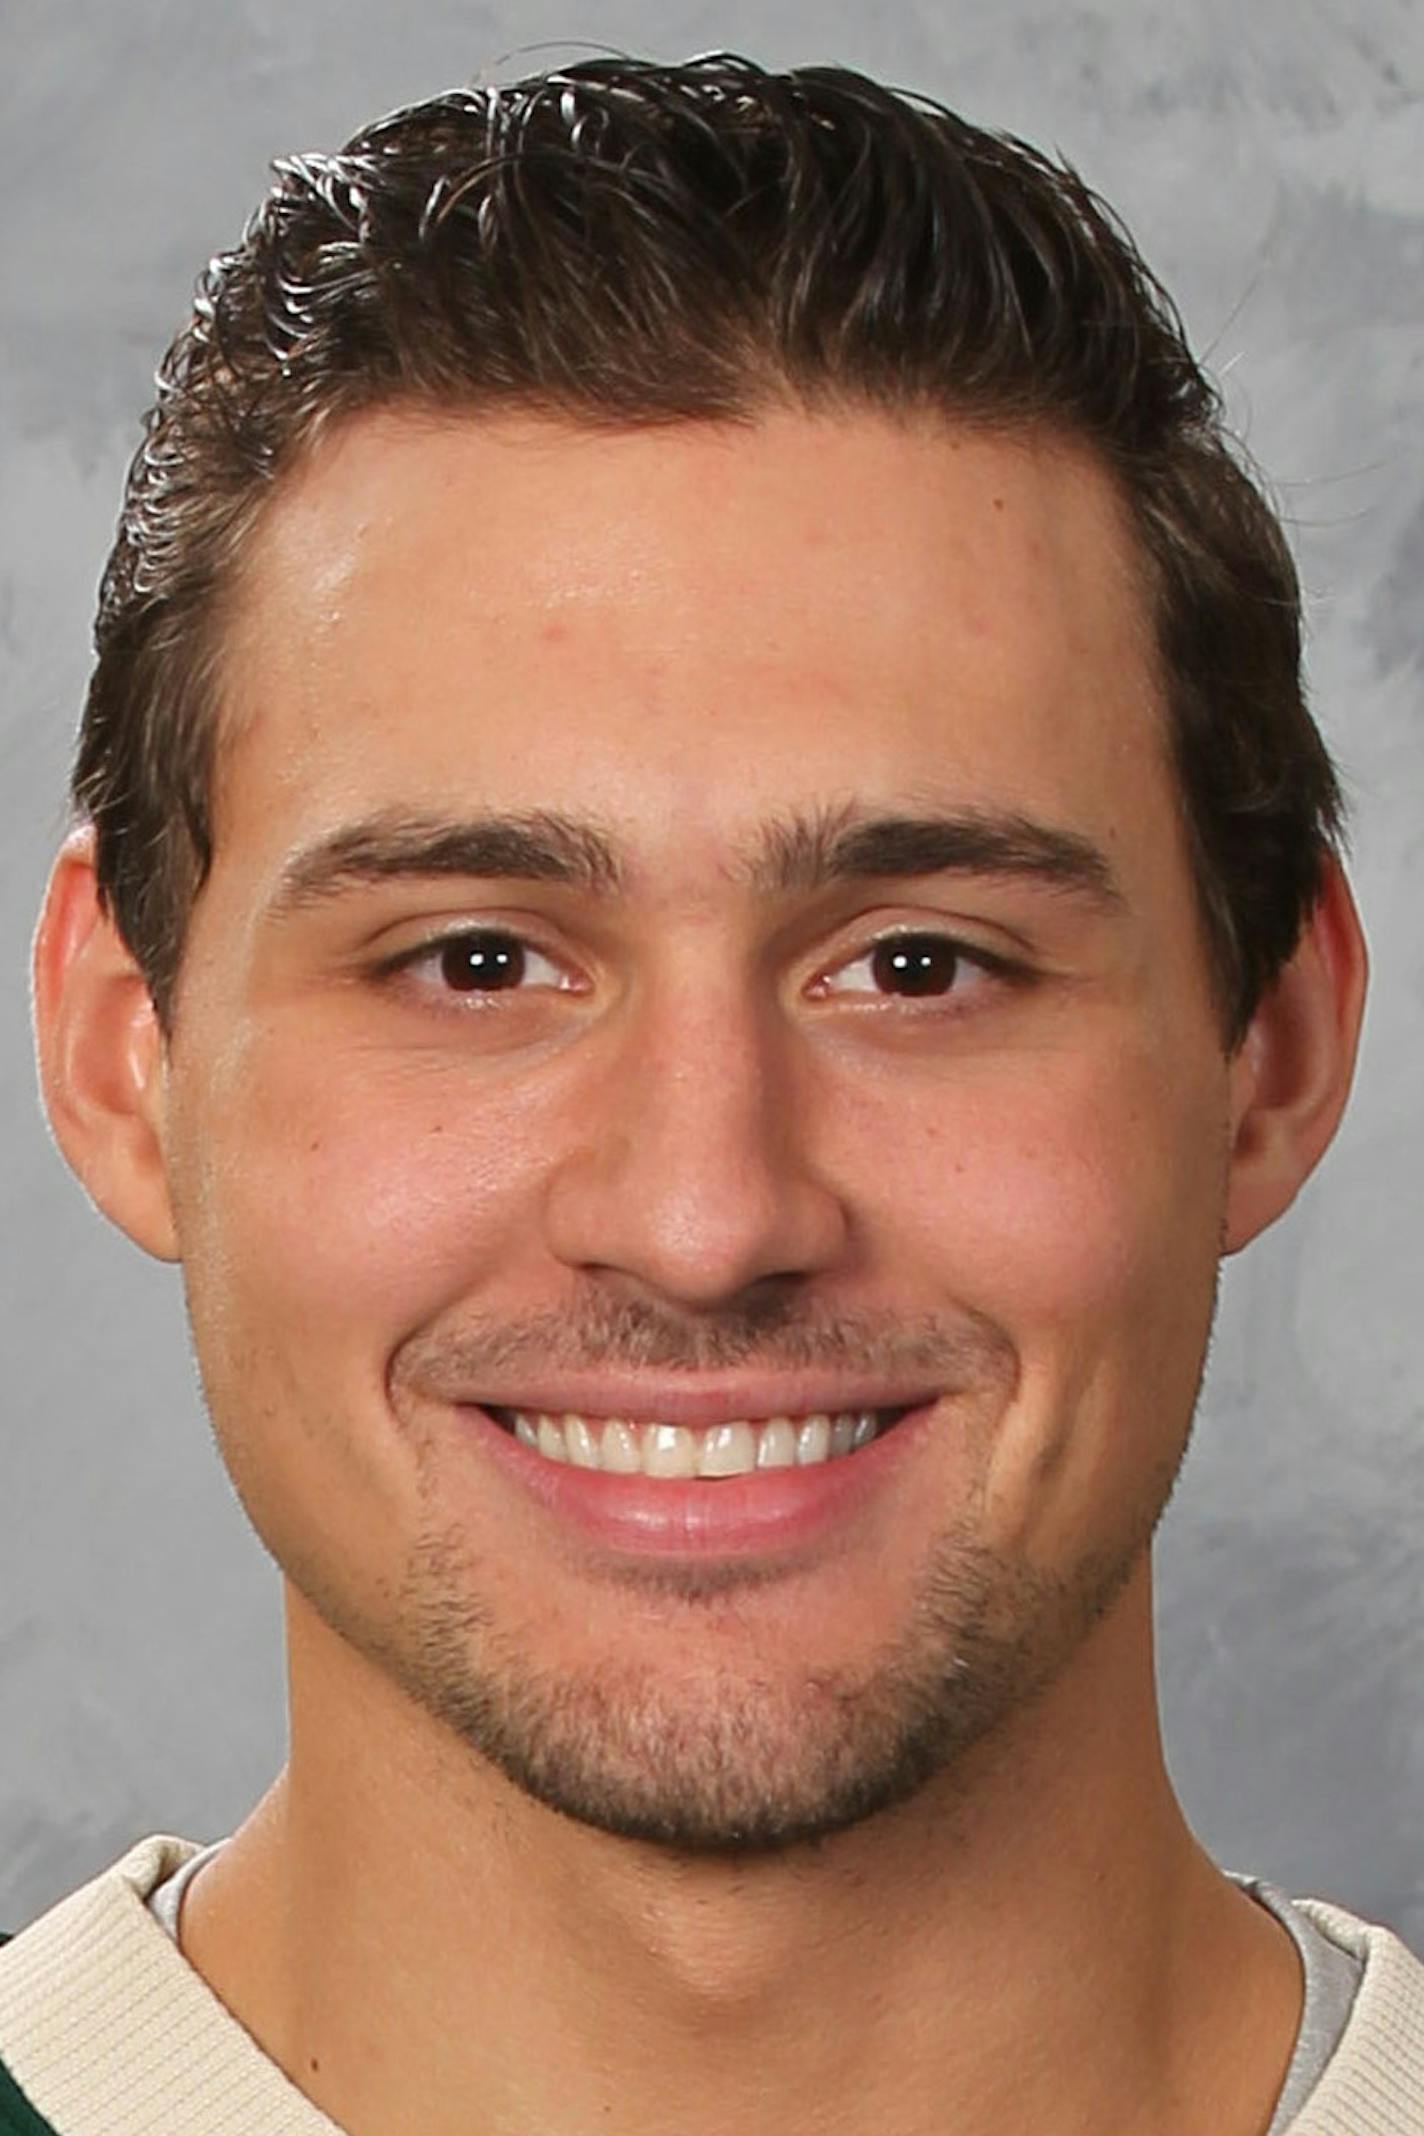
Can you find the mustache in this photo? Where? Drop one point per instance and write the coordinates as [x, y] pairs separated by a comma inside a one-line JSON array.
[[961, 1349]]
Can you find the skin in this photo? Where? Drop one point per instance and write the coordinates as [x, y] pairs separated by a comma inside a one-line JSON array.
[[702, 1130]]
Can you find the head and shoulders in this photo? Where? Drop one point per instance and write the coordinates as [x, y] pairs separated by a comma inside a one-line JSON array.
[[704, 898]]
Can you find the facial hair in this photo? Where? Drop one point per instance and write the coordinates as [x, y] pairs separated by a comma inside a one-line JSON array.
[[744, 1763]]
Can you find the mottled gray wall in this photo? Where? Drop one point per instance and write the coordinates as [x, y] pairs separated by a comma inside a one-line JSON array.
[[1270, 158]]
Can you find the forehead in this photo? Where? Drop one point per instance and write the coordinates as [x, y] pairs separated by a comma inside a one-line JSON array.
[[674, 629]]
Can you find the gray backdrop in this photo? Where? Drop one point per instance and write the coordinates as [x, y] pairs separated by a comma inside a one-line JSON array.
[[1269, 157]]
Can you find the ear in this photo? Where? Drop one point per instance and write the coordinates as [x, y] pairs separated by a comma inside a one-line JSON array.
[[102, 1056], [1291, 1075]]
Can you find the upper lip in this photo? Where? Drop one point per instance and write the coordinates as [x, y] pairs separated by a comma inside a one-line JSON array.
[[699, 1405]]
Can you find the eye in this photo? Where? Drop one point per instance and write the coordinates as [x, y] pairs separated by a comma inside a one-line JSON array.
[[479, 960], [911, 965]]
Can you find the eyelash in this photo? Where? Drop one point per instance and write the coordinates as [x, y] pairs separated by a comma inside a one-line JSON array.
[[430, 953], [960, 953], [985, 963]]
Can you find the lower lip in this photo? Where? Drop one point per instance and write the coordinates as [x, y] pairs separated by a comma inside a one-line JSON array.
[[735, 1516]]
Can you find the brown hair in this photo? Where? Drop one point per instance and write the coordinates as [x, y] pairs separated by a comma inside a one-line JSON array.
[[629, 243]]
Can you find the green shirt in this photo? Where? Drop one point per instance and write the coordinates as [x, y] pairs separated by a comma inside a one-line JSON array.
[[17, 2116]]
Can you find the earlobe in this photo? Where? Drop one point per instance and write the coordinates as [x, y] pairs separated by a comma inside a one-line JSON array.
[[1292, 1073], [101, 1054]]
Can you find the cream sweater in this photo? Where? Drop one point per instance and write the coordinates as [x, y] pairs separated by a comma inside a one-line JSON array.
[[110, 2032]]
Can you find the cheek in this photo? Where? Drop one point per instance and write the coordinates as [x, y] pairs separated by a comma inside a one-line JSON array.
[[1060, 1197], [343, 1210], [323, 1220], [1079, 1212]]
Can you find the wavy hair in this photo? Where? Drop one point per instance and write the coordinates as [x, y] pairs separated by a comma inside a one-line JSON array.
[[625, 243]]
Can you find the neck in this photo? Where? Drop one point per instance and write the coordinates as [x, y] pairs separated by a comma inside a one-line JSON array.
[[406, 1934]]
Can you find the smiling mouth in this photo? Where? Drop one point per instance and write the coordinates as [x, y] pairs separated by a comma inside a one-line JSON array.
[[673, 1452]]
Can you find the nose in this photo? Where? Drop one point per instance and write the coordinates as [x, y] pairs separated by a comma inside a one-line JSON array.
[[691, 1177]]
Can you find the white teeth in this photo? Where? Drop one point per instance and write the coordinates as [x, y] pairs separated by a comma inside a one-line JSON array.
[[776, 1444], [813, 1441], [668, 1451], [672, 1451], [619, 1449], [551, 1440], [581, 1443], [727, 1450]]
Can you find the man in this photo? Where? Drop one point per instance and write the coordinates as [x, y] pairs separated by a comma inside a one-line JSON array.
[[703, 899]]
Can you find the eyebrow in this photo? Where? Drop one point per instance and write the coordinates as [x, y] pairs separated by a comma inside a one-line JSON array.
[[539, 847], [807, 851], [801, 851]]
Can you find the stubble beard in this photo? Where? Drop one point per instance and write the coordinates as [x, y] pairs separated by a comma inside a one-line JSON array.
[[741, 1763]]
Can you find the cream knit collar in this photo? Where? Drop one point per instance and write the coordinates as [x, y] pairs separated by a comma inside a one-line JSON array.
[[110, 2032]]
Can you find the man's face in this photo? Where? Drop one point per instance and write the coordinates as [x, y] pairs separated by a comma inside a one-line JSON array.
[[700, 933]]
